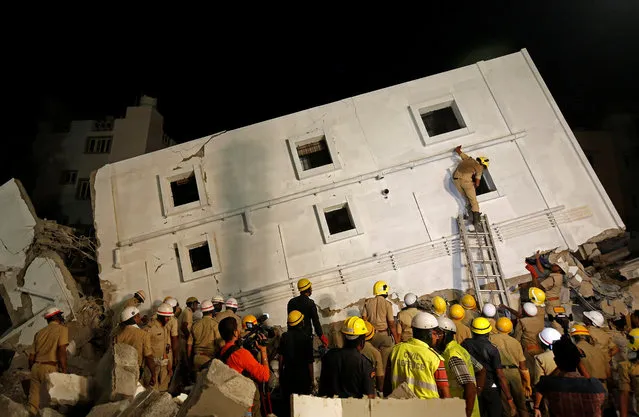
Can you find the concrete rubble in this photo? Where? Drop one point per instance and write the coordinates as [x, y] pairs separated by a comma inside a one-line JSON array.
[[11, 408], [68, 389], [118, 373]]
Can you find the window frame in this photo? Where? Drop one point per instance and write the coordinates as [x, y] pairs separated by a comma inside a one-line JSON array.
[[418, 109], [107, 139], [69, 172], [78, 192], [314, 136], [168, 207], [487, 176], [185, 259], [321, 208]]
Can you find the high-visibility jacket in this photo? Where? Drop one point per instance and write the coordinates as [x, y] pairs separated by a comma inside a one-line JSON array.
[[415, 363], [454, 349]]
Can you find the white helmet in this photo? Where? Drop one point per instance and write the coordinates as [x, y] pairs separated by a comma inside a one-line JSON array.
[[410, 299], [445, 323], [51, 311], [549, 335], [218, 299], [595, 317], [197, 315], [206, 305], [231, 303], [489, 310], [165, 310], [171, 301], [128, 312], [424, 321], [530, 309]]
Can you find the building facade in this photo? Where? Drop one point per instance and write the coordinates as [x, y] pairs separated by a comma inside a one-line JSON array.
[[349, 193], [66, 159]]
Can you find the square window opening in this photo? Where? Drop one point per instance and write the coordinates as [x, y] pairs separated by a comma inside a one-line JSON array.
[[68, 177], [314, 154], [486, 184], [200, 257], [83, 190], [443, 120], [184, 190], [339, 219]]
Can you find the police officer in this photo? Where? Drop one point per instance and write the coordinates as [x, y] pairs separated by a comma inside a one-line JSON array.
[[186, 318], [545, 362], [375, 357], [457, 314], [467, 178], [379, 312], [595, 361], [48, 355], [489, 311], [602, 338], [131, 334], [202, 345], [218, 304], [470, 309], [552, 288], [527, 332], [230, 311], [305, 305], [172, 330], [159, 332], [405, 317], [439, 306]]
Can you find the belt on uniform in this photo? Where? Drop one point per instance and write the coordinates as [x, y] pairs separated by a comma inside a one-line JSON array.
[[510, 366], [48, 363], [552, 298], [532, 347]]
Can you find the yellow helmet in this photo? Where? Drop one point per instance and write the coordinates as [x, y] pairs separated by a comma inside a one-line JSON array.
[[633, 339], [579, 330], [457, 312], [354, 326], [483, 160], [380, 288], [537, 296], [439, 305], [303, 284], [481, 325], [504, 325], [249, 318], [468, 302], [370, 331], [294, 318]]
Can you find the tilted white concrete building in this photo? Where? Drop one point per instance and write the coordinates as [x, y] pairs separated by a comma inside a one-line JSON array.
[[349, 193]]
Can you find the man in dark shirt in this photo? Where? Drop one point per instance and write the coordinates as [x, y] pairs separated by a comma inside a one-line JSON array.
[[487, 354], [305, 305], [567, 393], [347, 373]]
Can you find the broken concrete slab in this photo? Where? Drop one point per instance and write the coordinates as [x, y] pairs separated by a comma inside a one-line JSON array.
[[50, 412], [68, 389], [11, 408], [402, 392], [118, 373], [151, 403], [113, 409]]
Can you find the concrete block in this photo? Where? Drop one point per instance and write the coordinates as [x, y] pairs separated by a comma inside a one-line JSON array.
[[68, 389], [308, 406], [50, 412], [152, 403], [109, 409], [449, 407], [356, 406], [11, 408]]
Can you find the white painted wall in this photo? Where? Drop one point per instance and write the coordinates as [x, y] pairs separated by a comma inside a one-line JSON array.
[[535, 163]]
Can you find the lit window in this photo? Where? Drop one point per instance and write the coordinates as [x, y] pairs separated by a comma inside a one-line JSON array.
[[313, 154]]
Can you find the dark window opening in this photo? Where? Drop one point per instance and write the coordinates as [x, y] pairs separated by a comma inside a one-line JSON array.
[[184, 190], [339, 220], [98, 144], [200, 257], [486, 184], [68, 177], [441, 121], [314, 154], [83, 191]]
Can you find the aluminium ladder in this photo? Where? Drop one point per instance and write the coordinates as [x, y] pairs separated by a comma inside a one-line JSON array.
[[483, 262]]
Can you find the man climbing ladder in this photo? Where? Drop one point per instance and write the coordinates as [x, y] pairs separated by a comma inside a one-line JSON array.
[[466, 178]]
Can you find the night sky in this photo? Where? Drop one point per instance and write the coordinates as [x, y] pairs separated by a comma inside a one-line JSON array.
[[220, 71]]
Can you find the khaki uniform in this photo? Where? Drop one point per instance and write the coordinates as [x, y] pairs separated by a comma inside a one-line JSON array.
[[45, 349], [596, 361], [404, 320], [469, 316], [463, 332], [552, 286], [603, 340], [161, 348], [464, 181], [544, 365], [379, 311], [203, 338], [229, 313], [527, 332], [511, 355], [493, 324], [132, 335], [375, 357]]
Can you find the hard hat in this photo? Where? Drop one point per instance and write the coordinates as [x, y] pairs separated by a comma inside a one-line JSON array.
[[197, 315], [439, 305], [370, 330], [354, 327], [206, 305], [549, 335], [468, 302], [489, 310], [447, 324], [423, 320], [218, 299], [380, 288], [504, 325], [231, 303], [294, 318], [51, 311], [249, 318], [410, 299], [128, 312], [165, 310], [141, 294], [537, 296], [192, 300], [171, 301], [579, 330], [481, 325], [483, 160], [457, 312], [530, 309], [595, 317], [633, 339], [303, 284]]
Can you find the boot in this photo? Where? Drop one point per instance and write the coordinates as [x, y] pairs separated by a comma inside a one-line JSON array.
[[477, 221], [467, 212]]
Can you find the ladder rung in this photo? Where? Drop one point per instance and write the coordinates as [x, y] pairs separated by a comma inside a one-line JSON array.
[[486, 261], [493, 291], [488, 276]]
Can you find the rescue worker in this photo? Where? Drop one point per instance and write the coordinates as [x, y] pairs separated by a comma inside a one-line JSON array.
[[186, 318], [482, 350], [48, 354], [230, 311], [461, 368], [305, 305], [470, 309], [513, 364], [405, 317], [375, 357], [201, 345], [439, 306], [457, 314], [185, 325], [417, 363], [467, 178], [218, 304], [248, 322], [489, 311], [596, 325], [346, 373], [159, 332], [527, 333], [379, 312], [551, 286], [629, 376], [595, 360], [545, 362], [173, 331], [137, 300], [131, 334]]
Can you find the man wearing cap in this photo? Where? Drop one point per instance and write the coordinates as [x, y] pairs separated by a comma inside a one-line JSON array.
[[405, 317], [373, 355], [173, 331], [527, 332], [379, 312], [201, 345], [545, 362], [305, 305], [186, 318], [218, 304], [596, 325], [131, 334], [48, 354], [158, 330], [231, 311]]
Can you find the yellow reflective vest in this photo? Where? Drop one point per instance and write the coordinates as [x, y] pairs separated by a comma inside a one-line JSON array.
[[415, 363], [454, 349]]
